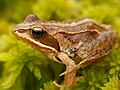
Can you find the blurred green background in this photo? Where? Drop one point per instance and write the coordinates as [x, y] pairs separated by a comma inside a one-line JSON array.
[[22, 70]]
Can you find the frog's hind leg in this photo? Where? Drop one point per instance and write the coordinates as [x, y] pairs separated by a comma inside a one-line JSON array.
[[83, 63], [89, 61], [100, 47], [103, 49]]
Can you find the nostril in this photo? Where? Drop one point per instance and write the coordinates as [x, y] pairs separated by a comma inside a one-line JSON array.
[[21, 31]]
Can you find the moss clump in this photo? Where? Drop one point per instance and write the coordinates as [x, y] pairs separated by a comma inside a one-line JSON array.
[[23, 68]]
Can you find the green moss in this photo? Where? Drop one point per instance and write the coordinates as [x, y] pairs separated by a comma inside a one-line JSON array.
[[16, 59], [113, 84], [55, 10], [49, 86], [23, 68]]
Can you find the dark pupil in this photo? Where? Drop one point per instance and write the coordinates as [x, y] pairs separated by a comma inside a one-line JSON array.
[[38, 34]]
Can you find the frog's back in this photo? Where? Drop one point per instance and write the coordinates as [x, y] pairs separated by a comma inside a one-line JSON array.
[[83, 38]]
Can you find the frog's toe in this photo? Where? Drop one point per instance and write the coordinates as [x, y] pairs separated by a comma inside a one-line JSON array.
[[56, 84]]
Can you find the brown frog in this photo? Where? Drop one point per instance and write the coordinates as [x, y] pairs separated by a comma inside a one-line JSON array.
[[75, 44]]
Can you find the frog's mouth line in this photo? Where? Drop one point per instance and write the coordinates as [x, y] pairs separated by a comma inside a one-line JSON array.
[[35, 43]]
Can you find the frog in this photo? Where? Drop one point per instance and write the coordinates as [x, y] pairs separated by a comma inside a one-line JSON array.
[[76, 44]]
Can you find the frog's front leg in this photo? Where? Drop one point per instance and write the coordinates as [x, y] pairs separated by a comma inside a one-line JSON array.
[[69, 78]]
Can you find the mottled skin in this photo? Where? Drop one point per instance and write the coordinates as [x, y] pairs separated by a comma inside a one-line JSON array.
[[75, 44]]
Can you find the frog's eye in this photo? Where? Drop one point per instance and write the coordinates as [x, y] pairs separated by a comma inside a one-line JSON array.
[[38, 33]]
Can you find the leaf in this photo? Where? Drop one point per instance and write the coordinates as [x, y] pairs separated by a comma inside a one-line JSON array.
[[37, 73], [37, 61], [49, 86], [30, 65], [12, 77], [4, 57], [14, 67], [113, 84]]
